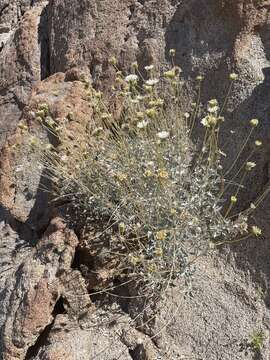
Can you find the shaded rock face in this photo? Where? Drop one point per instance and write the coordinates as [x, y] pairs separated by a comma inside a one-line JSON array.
[[11, 13], [49, 52], [23, 59], [127, 29]]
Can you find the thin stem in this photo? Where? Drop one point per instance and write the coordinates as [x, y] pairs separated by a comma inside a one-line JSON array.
[[237, 192], [196, 109], [233, 241], [226, 99], [240, 152], [238, 172]]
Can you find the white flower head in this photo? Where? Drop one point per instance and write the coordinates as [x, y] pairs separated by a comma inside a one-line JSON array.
[[233, 76], [163, 135], [254, 122], [213, 109], [152, 82], [213, 102], [256, 231], [250, 165], [209, 121], [205, 122], [149, 67], [131, 78], [213, 106], [142, 124], [199, 78], [258, 143]]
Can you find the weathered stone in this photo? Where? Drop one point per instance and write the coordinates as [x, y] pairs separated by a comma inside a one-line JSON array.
[[32, 287], [24, 187], [11, 12], [68, 341], [100, 25], [108, 335], [20, 63], [217, 320], [42, 275]]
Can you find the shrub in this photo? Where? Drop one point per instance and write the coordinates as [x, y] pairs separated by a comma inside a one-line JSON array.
[[142, 175]]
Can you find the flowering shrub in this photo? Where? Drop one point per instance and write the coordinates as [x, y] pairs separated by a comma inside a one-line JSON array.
[[143, 176]]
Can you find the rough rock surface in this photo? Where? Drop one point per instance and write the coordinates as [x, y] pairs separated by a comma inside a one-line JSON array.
[[45, 310], [23, 47], [23, 188], [32, 287], [219, 318]]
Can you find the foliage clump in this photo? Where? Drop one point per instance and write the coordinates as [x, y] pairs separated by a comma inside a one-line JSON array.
[[257, 340], [142, 174]]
